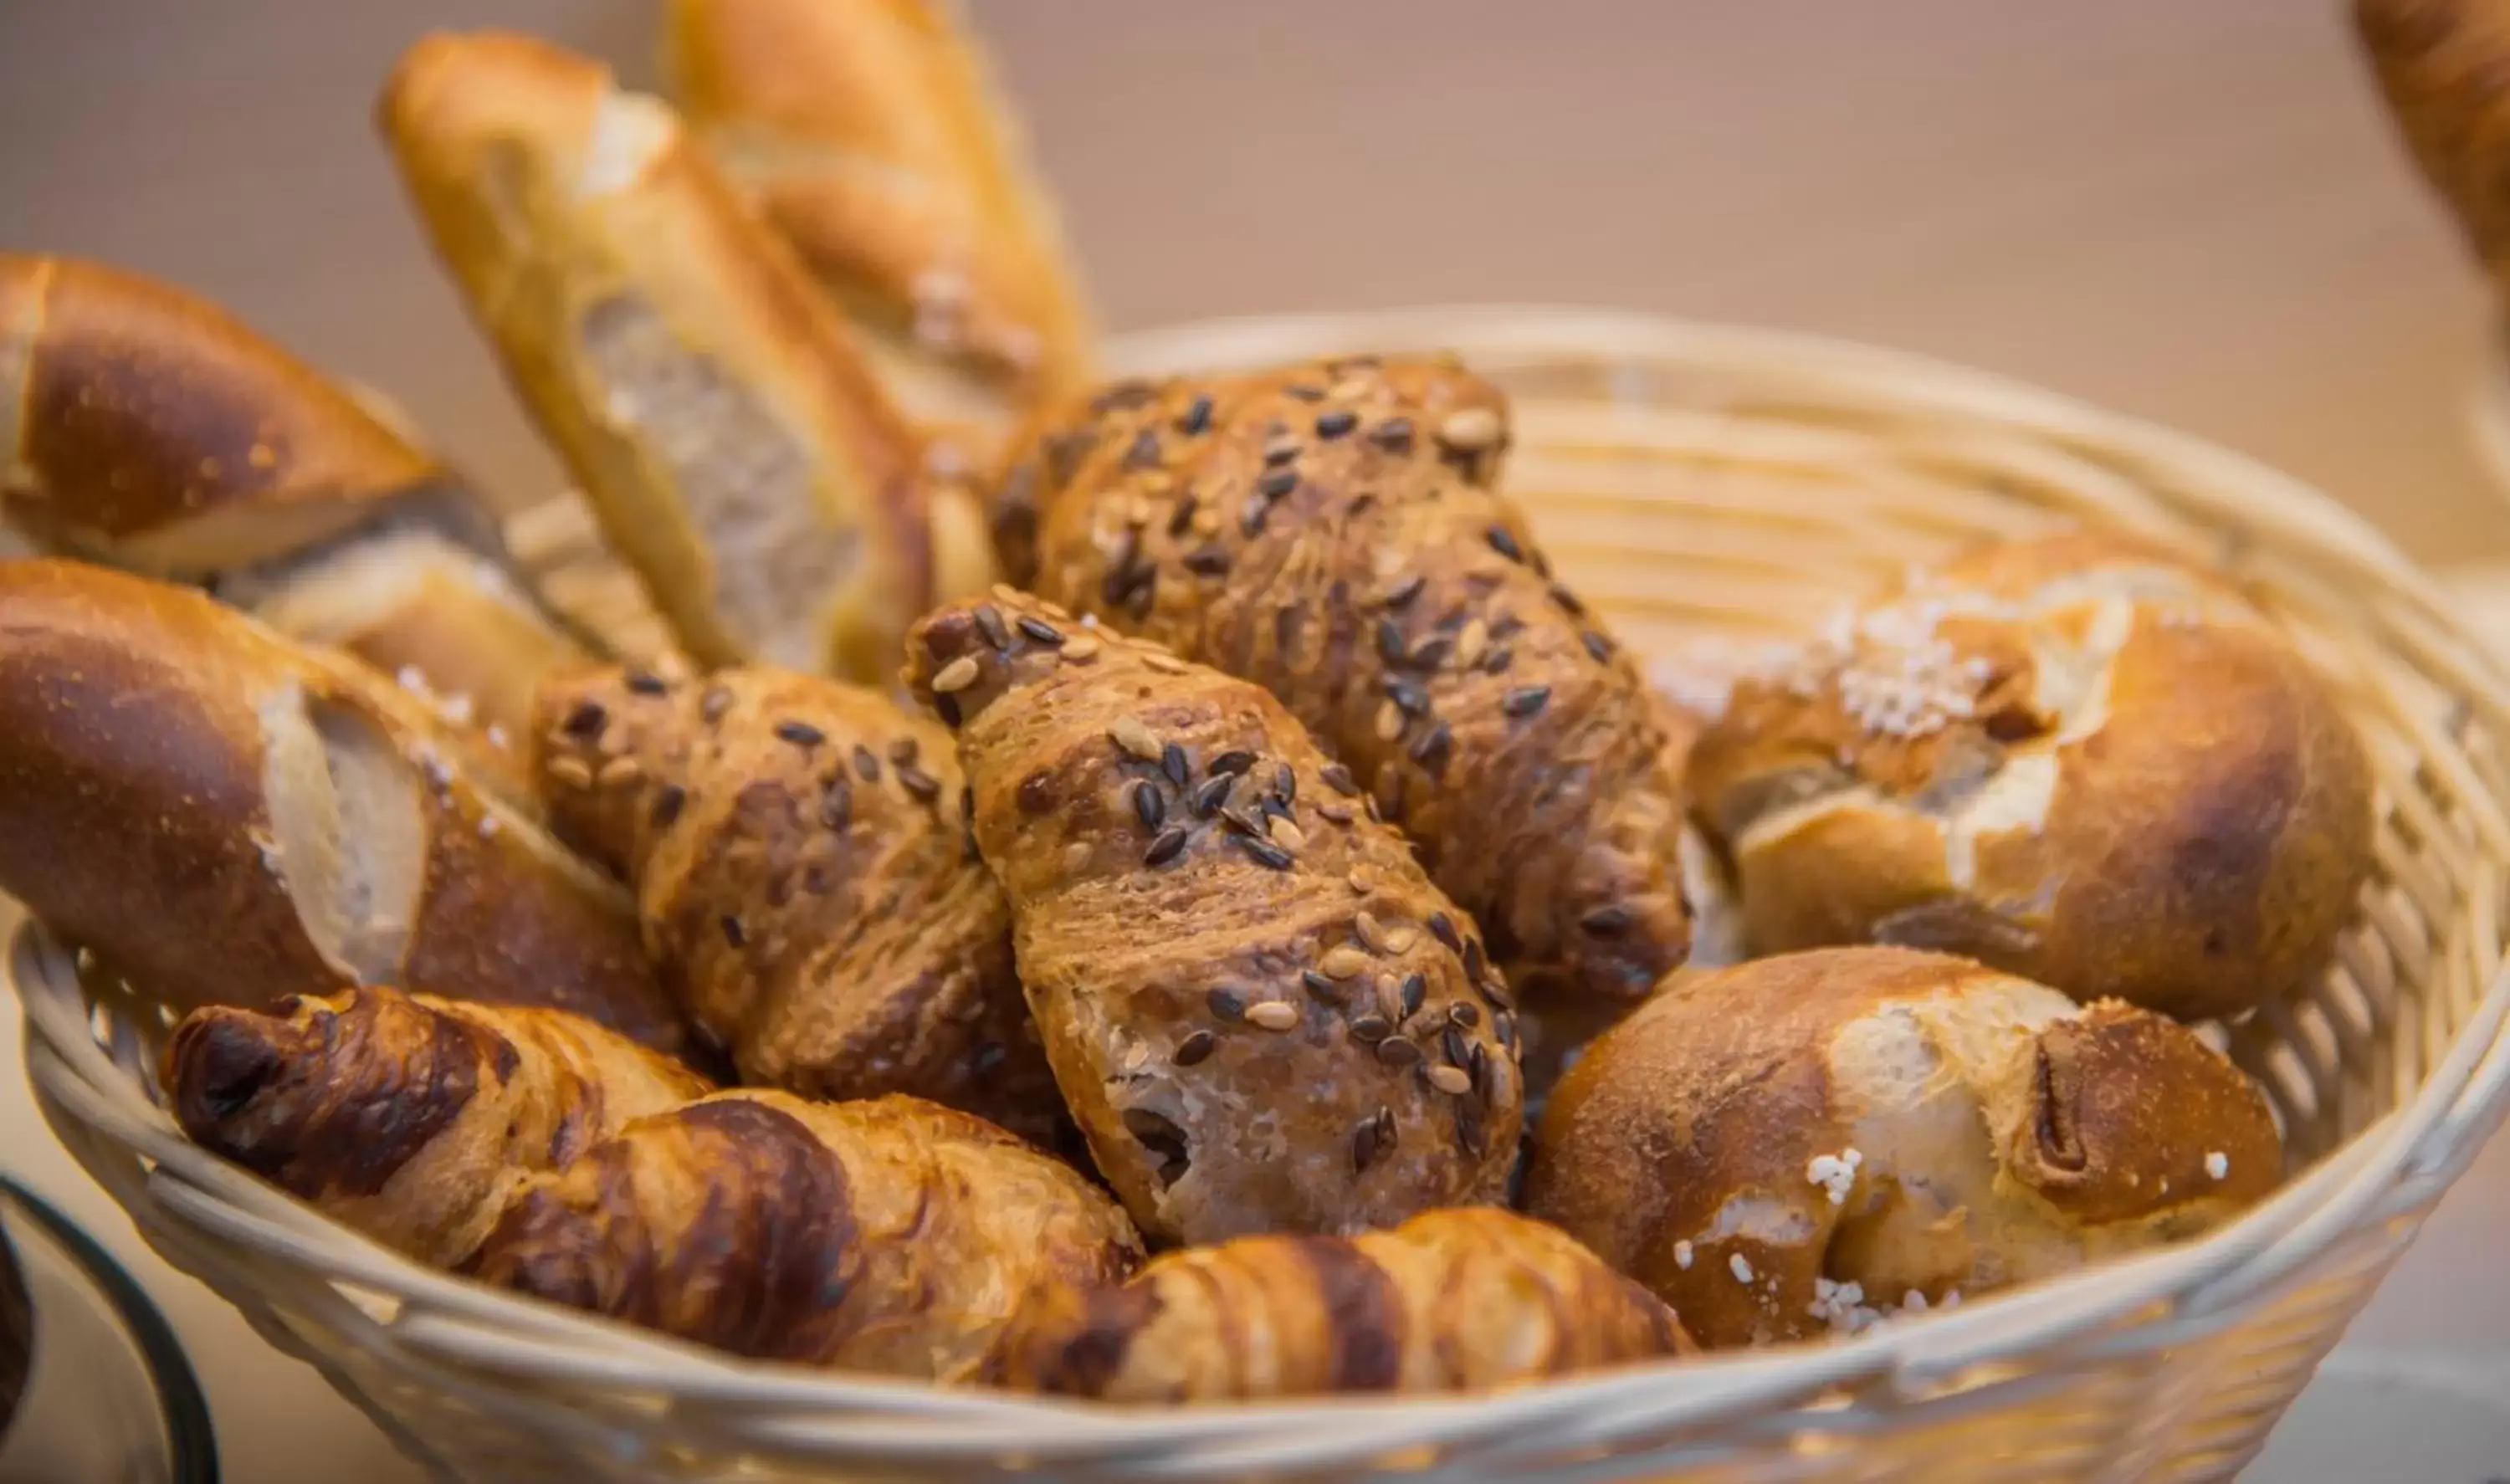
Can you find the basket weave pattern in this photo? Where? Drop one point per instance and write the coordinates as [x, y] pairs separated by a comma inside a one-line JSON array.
[[1696, 485]]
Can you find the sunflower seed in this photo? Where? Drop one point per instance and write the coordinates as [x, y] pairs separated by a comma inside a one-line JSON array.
[[1040, 629], [1164, 662], [1150, 805], [1362, 880], [990, 618], [1321, 987], [1370, 1028], [1597, 646], [1213, 793], [1433, 748], [1607, 921], [1282, 449], [1470, 429], [1134, 737], [1194, 1049], [1285, 784], [1196, 421], [1278, 484], [1226, 1005], [957, 675], [1469, 1133], [1181, 518], [1337, 779], [1165, 848], [1525, 700], [734, 932], [586, 721], [837, 804], [921, 784], [1400, 938], [1443, 929], [1274, 1015], [1390, 722], [1456, 1049], [713, 703], [1264, 851], [1463, 1013], [1397, 1052], [1410, 695], [1567, 601], [1455, 1081], [1079, 648], [1343, 963], [1364, 1145], [867, 764], [1416, 988], [1401, 594], [1208, 562], [1429, 653], [1336, 423], [669, 800], [1471, 643], [1287, 835], [1394, 434], [614, 774], [1235, 760], [1173, 763]]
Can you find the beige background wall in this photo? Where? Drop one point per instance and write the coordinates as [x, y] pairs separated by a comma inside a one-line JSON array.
[[2191, 210]]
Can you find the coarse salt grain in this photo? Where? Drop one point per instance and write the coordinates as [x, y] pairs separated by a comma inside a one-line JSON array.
[[497, 736], [1682, 1255], [1740, 1267], [2217, 1164], [1834, 1173]]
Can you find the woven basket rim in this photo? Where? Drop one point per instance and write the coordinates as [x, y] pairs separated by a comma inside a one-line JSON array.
[[2429, 1136]]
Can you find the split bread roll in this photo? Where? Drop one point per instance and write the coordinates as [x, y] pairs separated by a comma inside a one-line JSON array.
[[2075, 759], [411, 1119], [224, 817], [1328, 531], [1808, 1143], [1449, 1301], [1262, 1015], [869, 135], [890, 1235], [673, 352], [2445, 67], [803, 873], [145, 429]]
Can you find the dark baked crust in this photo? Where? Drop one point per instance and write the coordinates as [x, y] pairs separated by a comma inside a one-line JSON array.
[[1328, 532], [1264, 1016]]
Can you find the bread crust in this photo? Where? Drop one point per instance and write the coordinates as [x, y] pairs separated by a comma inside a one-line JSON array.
[[2077, 760], [1980, 1131]]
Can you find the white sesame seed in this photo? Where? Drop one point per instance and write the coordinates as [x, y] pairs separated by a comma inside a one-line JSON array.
[[2217, 1164], [1740, 1267], [1682, 1255]]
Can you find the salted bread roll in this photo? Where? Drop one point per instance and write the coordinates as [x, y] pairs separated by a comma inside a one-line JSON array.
[[2073, 758], [1808, 1143], [706, 397], [869, 134]]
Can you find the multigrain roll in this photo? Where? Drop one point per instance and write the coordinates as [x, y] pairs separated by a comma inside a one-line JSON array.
[[2445, 67], [2077, 760], [1808, 1143], [1328, 531], [1449, 1301], [1264, 1016]]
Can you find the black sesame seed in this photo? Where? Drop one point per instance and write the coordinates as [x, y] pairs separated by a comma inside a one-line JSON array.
[[1607, 922], [1567, 601], [733, 931], [1465, 1013], [837, 804], [1040, 630], [1264, 851], [1194, 1049], [1213, 793], [1443, 929], [1597, 645], [800, 734], [1304, 391], [586, 721], [1525, 700], [669, 801], [1250, 519], [1431, 748], [1390, 641], [1181, 520], [1321, 987], [1241, 821], [1278, 484], [1397, 1052], [713, 703], [1226, 1005], [1336, 423], [1173, 763], [990, 618], [1457, 1051], [1497, 661], [1394, 434], [1416, 988], [1370, 1028], [1280, 451], [1505, 544], [1208, 562], [646, 683], [866, 765], [1145, 452], [1364, 1145], [1197, 419], [917, 782], [1406, 590], [1165, 848], [1337, 779], [1235, 760], [1150, 805]]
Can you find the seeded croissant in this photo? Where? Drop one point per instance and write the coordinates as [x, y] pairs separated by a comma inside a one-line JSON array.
[[891, 1235], [1327, 532], [1262, 1014], [1455, 1300], [411, 1118], [803, 877]]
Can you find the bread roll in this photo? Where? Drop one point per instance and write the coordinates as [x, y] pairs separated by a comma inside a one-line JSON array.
[[673, 352], [1449, 1301], [2445, 67], [144, 427], [227, 817], [1808, 1143], [889, 1236], [2073, 758], [1328, 532], [411, 1118], [1264, 1016], [867, 132], [802, 872]]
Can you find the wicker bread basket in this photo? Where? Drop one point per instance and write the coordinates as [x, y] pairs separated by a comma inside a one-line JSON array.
[[1694, 482]]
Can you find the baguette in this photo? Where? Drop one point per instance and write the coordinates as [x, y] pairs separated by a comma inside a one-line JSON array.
[[145, 429], [225, 816], [867, 132], [738, 455]]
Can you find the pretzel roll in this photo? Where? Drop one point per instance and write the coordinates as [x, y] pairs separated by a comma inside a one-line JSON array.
[[1814, 1141], [2072, 758]]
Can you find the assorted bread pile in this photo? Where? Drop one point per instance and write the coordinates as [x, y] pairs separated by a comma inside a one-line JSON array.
[[1137, 976]]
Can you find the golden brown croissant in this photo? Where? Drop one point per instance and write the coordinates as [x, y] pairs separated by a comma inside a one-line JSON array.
[[1453, 1299], [890, 1234], [803, 874], [411, 1118], [1262, 1014], [1326, 532]]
